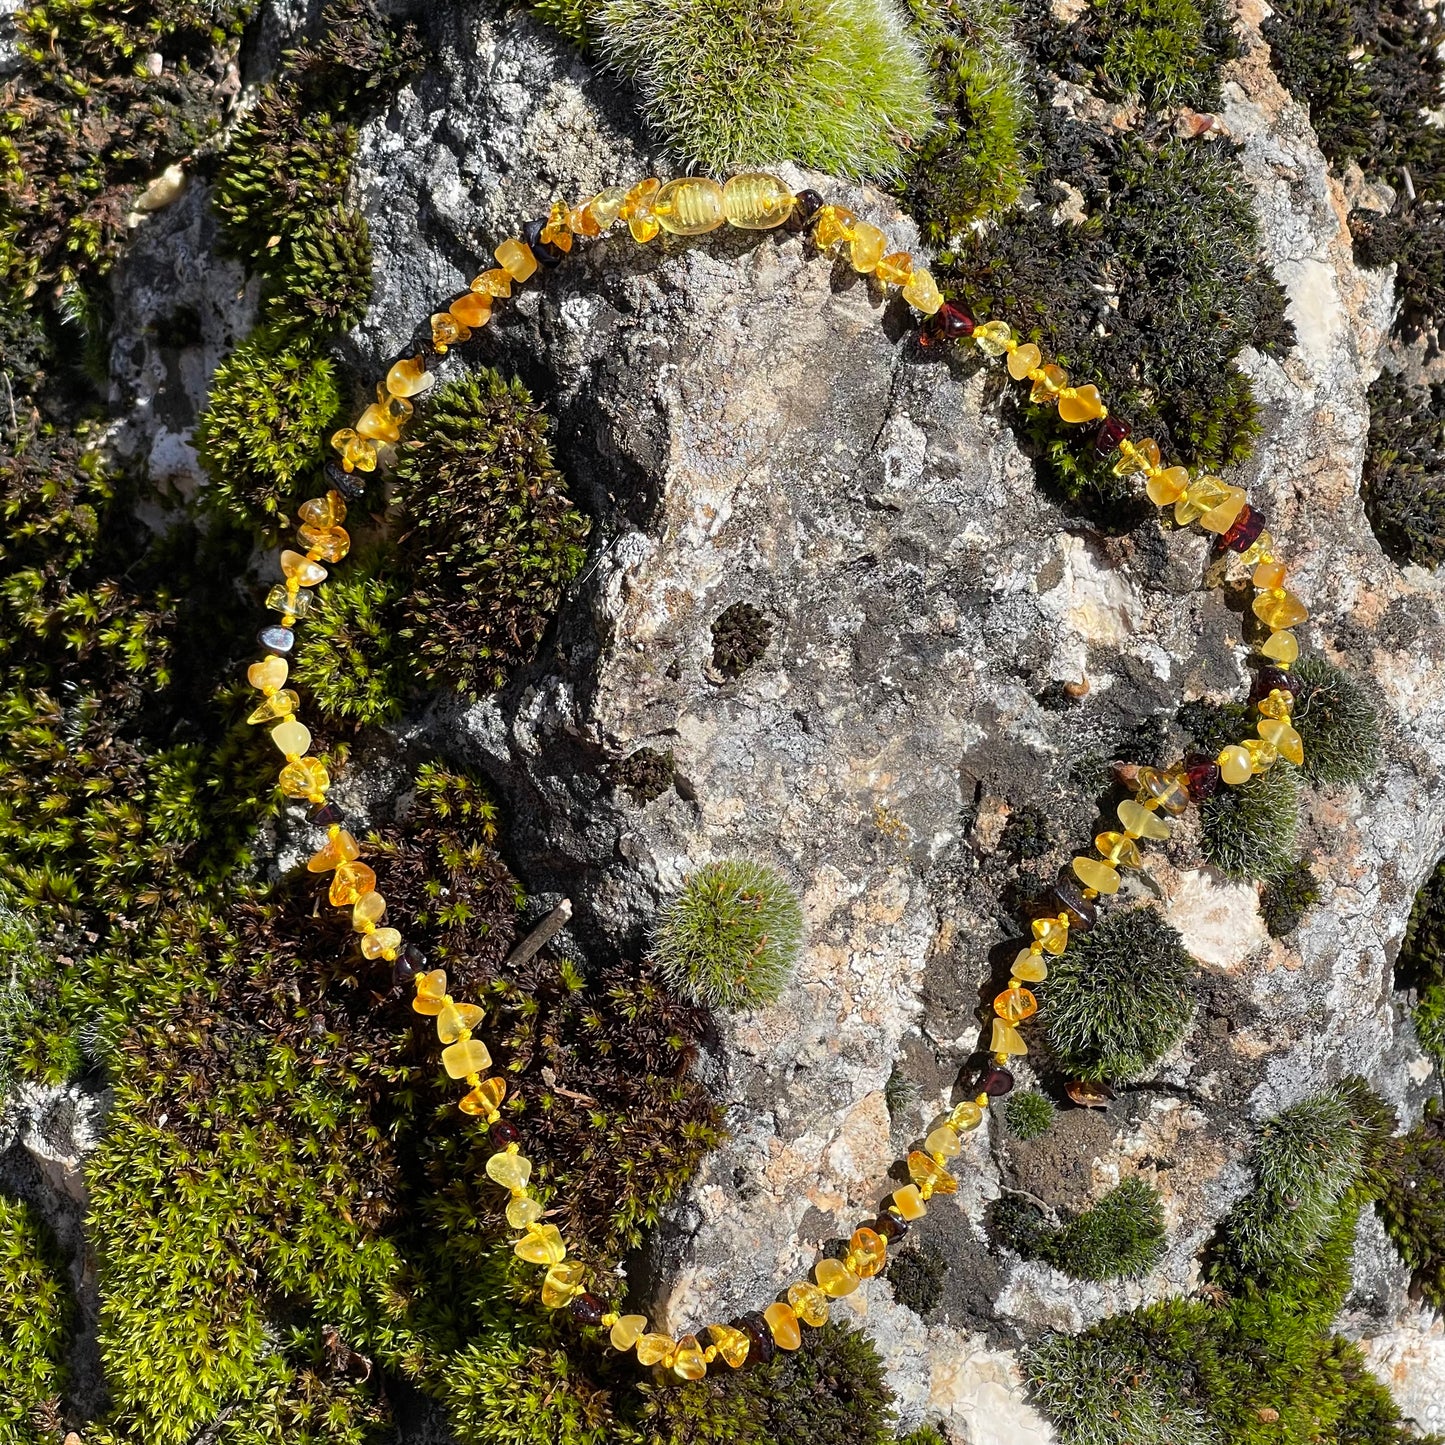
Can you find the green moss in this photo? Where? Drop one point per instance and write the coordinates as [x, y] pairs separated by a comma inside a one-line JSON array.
[[1429, 1019], [576, 19], [740, 638], [37, 1315], [924, 1435], [645, 774], [263, 430], [728, 84], [731, 936], [1285, 899], [916, 1276], [505, 1392], [1251, 831], [1211, 727], [1336, 721], [1120, 998], [491, 538], [1167, 51], [1120, 1237], [1028, 1114], [1404, 473], [1412, 1204], [1026, 834], [325, 284]]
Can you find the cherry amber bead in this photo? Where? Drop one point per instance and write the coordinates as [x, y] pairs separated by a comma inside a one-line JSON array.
[[587, 1309], [760, 1338], [997, 1082], [950, 323], [891, 1227], [1067, 897], [325, 816], [503, 1133], [1244, 530], [1203, 776], [805, 211], [1268, 680], [1112, 431]]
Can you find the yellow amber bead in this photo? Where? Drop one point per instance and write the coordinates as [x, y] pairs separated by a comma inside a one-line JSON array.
[[908, 1202], [626, 1332], [542, 1244], [409, 377], [757, 201], [1080, 403], [1260, 550], [1203, 495], [1049, 385], [466, 1056], [731, 1344], [561, 1283], [783, 1325], [511, 1171], [330, 543], [895, 269], [305, 572], [1029, 967], [1262, 755], [381, 943], [352, 880], [485, 1099], [1141, 822], [1221, 518], [558, 230], [279, 705], [1167, 486], [1235, 765], [457, 1019], [1118, 849], [305, 778], [967, 1115], [1282, 737], [377, 423], [1023, 359], [1014, 1005], [833, 226], [654, 1349], [1096, 875], [431, 991], [447, 331], [690, 206], [523, 1210], [867, 1252], [327, 511], [924, 1170], [339, 848], [1278, 609], [834, 1278], [1006, 1039], [471, 311], [268, 674], [495, 282], [636, 210], [1278, 704], [921, 292], [1052, 933], [993, 337], [1282, 647], [866, 247], [687, 1360], [357, 452], [368, 911], [1167, 790], [600, 213], [1141, 456], [516, 259], [809, 1303], [943, 1142], [1269, 575]]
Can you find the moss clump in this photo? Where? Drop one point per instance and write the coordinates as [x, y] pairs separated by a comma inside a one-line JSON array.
[[1404, 474], [1026, 834], [491, 537], [740, 638], [917, 1277], [1120, 1237], [326, 283], [1251, 831], [645, 774], [1168, 51], [1284, 900], [731, 936], [1412, 1204], [1028, 1114], [264, 426], [730, 84], [1212, 727], [1429, 1020], [1421, 963], [37, 1314], [1121, 997], [1336, 722]]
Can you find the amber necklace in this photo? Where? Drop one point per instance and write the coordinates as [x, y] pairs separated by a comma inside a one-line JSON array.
[[691, 206]]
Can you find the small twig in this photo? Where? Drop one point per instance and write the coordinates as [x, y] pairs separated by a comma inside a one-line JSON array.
[[1409, 184], [10, 397], [541, 935]]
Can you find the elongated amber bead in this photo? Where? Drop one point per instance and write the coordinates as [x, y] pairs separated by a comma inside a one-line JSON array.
[[303, 570], [908, 1202], [1029, 966], [928, 1173], [1281, 735], [866, 246], [1101, 877], [1141, 822], [1080, 404], [1203, 495], [1006, 1039], [688, 1361], [809, 1303], [690, 206], [600, 213], [330, 543], [1014, 1005], [783, 1325], [757, 201], [377, 423], [921, 292], [472, 310], [895, 268], [275, 707], [409, 377], [494, 282], [1221, 516]]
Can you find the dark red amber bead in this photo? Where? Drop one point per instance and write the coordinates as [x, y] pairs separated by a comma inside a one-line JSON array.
[[760, 1337], [1268, 680], [1112, 431], [587, 1309], [1203, 776], [890, 1226], [325, 815], [997, 1082], [1245, 531], [806, 207], [504, 1133], [1066, 896], [953, 322]]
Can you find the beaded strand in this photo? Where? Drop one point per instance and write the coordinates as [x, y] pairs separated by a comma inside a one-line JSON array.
[[692, 206]]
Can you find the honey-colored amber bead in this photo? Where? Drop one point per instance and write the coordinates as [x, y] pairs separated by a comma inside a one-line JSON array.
[[809, 1303], [409, 377], [1080, 403], [1096, 875], [329, 543], [523, 1210], [925, 1171], [1279, 609], [866, 246], [447, 331], [352, 880], [1260, 550], [1169, 791], [654, 1349], [368, 911], [1142, 822], [992, 337], [542, 1244], [636, 210], [600, 213], [1014, 1005], [1235, 765], [1138, 457], [867, 1252], [358, 453], [895, 268], [1165, 487], [279, 705], [921, 292], [466, 1056], [732, 1345], [471, 310], [1023, 359], [1048, 385], [943, 1142], [485, 1099], [510, 1170], [516, 259], [1281, 735], [967, 1115], [834, 1278], [1203, 495], [268, 674], [1029, 967], [908, 1202], [431, 992], [1269, 575], [783, 1325], [457, 1019], [1118, 849], [690, 206], [378, 423], [1278, 704], [1281, 647], [1262, 755], [688, 1361], [327, 511], [1051, 933], [833, 226], [290, 600], [1221, 517], [757, 201], [381, 943], [306, 572], [626, 1331], [305, 778], [494, 283], [558, 230], [562, 1283], [1006, 1039], [339, 848], [291, 737]]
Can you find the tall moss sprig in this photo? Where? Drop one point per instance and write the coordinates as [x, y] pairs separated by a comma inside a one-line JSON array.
[[37, 1314]]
